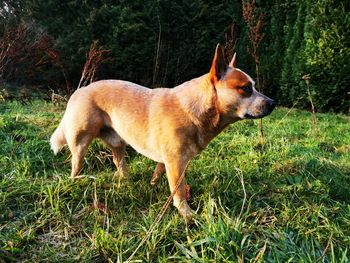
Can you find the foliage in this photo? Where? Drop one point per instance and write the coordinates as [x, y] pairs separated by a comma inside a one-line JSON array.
[[297, 185], [319, 45], [25, 55], [164, 43], [327, 53]]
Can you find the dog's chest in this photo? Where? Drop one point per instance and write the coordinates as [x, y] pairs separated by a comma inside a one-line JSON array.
[[150, 153]]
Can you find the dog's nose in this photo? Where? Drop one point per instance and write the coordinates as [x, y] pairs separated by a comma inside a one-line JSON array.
[[272, 104]]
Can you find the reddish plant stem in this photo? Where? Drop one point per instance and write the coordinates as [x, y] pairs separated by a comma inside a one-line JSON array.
[[255, 37]]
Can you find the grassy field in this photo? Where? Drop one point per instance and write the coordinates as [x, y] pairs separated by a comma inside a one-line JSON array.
[[285, 201]]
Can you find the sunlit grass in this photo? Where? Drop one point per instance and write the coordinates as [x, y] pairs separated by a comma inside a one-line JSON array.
[[297, 205]]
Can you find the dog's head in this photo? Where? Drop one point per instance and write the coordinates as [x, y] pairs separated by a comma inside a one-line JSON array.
[[236, 93]]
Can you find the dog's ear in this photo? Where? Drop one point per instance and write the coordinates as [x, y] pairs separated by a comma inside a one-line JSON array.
[[218, 65], [233, 61]]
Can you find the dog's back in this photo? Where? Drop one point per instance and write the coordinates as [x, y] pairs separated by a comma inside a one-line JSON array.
[[119, 106]]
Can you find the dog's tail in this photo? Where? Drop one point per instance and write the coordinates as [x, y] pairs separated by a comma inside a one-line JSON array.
[[58, 140]]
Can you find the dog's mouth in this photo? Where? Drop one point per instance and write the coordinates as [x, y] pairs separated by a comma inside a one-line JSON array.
[[249, 116], [257, 116]]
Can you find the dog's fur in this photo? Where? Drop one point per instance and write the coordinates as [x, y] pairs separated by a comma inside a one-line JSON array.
[[169, 126]]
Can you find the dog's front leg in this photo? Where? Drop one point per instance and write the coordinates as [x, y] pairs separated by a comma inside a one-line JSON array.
[[174, 170]]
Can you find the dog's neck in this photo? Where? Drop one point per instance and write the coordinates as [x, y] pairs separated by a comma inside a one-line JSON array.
[[198, 99], [202, 106]]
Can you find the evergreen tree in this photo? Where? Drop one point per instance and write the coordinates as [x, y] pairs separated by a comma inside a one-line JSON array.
[[163, 43]]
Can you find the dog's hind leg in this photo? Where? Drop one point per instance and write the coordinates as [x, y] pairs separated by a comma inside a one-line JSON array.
[[117, 145], [78, 148], [160, 169], [118, 159]]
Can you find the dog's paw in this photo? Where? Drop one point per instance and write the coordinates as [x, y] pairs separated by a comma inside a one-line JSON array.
[[155, 180], [122, 176], [77, 177], [186, 212]]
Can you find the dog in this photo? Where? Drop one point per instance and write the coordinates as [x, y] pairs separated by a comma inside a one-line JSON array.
[[169, 126]]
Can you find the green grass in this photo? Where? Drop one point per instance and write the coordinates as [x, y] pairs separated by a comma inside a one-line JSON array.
[[297, 205]]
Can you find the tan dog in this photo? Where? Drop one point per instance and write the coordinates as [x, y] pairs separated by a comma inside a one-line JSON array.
[[169, 126]]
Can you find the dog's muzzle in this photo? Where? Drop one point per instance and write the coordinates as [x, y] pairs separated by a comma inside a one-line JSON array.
[[267, 107]]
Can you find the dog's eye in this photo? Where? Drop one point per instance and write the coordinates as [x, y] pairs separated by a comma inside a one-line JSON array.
[[247, 89]]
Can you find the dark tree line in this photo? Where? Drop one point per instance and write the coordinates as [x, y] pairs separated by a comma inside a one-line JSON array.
[[163, 43]]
